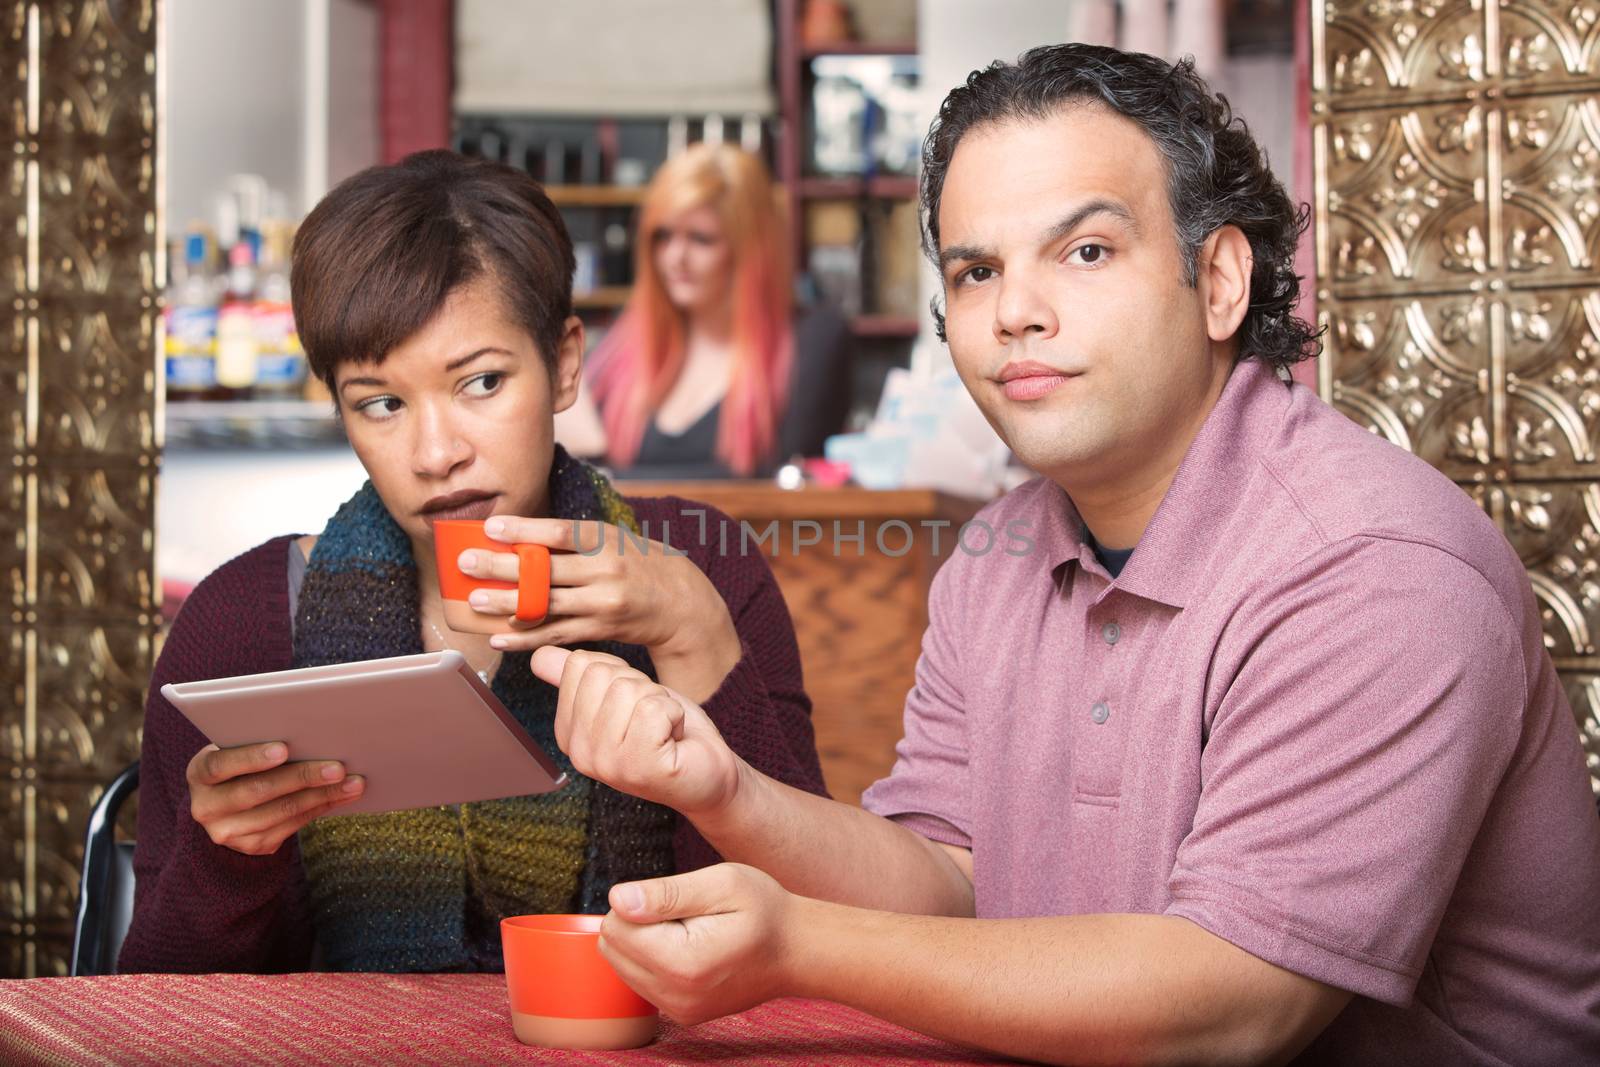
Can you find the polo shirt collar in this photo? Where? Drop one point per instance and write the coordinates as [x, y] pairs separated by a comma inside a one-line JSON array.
[[1201, 500]]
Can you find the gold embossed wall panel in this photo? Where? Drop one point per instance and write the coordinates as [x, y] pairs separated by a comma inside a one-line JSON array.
[[1405, 199], [1552, 338], [1583, 690], [80, 264], [1457, 156], [1416, 369], [1555, 528], [1399, 52]]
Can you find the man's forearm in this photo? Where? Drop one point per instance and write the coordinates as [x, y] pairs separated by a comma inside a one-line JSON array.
[[1084, 989], [820, 848]]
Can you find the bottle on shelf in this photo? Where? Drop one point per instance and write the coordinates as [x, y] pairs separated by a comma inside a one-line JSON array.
[[280, 361], [251, 193], [616, 261], [191, 323], [238, 363], [230, 325]]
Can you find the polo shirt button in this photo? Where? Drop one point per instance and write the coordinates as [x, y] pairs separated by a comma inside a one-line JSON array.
[[1111, 632], [1100, 712]]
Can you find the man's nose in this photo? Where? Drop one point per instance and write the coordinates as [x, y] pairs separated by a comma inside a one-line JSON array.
[[1023, 307]]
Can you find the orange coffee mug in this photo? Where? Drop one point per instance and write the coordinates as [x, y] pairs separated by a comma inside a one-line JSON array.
[[563, 992], [451, 537]]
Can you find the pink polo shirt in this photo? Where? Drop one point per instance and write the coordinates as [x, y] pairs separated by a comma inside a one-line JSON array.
[[1314, 715]]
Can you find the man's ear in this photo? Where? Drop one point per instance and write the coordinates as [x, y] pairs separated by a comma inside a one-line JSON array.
[[1224, 266], [569, 365]]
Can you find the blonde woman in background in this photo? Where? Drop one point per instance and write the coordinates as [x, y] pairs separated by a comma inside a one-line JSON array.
[[709, 372]]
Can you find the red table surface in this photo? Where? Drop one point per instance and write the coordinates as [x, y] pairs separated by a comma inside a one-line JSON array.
[[230, 1019]]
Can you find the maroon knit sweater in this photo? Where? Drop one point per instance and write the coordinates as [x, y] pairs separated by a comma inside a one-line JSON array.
[[201, 907]]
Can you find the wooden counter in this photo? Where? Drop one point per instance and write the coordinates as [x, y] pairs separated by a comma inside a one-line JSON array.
[[859, 608]]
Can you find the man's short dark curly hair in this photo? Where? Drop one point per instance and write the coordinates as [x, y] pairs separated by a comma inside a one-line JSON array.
[[1216, 173]]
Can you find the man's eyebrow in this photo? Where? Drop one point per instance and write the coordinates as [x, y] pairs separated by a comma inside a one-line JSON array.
[[959, 253], [1098, 206], [453, 365], [1068, 223]]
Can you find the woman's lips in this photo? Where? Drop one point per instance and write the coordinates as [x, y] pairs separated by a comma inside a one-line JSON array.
[[1033, 386], [481, 508]]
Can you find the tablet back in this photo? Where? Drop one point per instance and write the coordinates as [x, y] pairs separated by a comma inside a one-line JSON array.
[[423, 729]]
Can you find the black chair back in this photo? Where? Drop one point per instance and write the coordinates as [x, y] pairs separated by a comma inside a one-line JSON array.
[[105, 892]]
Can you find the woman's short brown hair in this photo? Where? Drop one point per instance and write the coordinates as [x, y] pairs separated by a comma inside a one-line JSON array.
[[376, 259]]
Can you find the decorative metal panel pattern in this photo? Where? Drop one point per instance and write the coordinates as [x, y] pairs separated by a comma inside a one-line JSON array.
[[80, 389], [1457, 159]]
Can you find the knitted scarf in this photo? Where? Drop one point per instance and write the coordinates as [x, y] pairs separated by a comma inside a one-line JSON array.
[[425, 890]]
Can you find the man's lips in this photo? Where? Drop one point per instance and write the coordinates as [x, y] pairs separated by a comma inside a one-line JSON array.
[[1027, 380], [1033, 386], [470, 504]]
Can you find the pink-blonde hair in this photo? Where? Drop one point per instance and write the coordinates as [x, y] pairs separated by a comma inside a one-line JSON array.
[[641, 356]]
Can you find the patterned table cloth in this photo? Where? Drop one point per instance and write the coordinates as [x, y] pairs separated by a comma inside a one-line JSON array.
[[357, 1019]]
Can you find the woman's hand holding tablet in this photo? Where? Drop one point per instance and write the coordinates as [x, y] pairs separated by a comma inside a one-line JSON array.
[[249, 799], [409, 732]]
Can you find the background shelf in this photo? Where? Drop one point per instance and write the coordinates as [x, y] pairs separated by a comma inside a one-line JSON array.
[[884, 326], [608, 296], [595, 195], [884, 186], [810, 50], [252, 424]]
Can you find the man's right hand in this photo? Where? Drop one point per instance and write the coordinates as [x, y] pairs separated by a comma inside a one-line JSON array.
[[250, 800], [621, 728]]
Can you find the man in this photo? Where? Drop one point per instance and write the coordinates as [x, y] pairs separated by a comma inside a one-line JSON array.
[[1258, 754]]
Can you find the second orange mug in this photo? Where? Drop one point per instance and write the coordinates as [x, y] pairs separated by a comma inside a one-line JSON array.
[[451, 537], [563, 992]]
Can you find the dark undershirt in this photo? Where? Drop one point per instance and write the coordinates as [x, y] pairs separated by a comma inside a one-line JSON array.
[[1112, 559]]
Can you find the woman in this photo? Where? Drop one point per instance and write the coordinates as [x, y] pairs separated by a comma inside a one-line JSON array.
[[434, 299], [704, 373]]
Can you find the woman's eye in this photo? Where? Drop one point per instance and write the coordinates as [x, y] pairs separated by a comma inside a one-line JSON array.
[[1089, 255], [379, 407], [486, 384]]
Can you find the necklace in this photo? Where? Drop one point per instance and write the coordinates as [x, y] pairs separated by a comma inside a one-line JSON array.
[[482, 674]]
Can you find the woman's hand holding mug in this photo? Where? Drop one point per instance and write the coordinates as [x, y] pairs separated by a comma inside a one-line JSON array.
[[608, 585]]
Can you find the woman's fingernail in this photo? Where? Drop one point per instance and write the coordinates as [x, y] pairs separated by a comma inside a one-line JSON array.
[[275, 751], [332, 772], [353, 785], [494, 527], [497, 642], [478, 598], [468, 560]]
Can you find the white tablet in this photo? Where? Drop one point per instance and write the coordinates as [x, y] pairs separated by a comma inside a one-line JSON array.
[[423, 730]]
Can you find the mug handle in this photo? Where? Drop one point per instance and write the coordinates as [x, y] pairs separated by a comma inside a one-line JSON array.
[[533, 582]]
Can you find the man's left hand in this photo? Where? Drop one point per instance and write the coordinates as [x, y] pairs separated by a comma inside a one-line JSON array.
[[704, 944]]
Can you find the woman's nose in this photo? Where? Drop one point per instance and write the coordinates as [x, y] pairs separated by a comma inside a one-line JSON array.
[[678, 253], [439, 446]]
